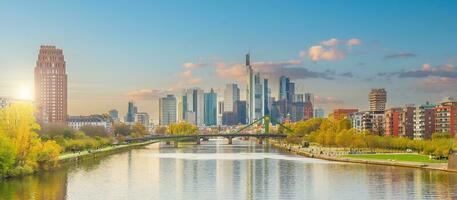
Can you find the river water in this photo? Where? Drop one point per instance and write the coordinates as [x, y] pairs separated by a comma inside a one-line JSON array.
[[215, 170]]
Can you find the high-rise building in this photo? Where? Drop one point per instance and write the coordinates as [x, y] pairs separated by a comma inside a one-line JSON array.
[[372, 121], [424, 121], [407, 121], [341, 113], [392, 124], [51, 85], [446, 116], [229, 118], [231, 95], [258, 97], [240, 110], [220, 112], [210, 108], [167, 110], [250, 91], [194, 112], [284, 83], [266, 97], [131, 112], [378, 99], [143, 119], [297, 111], [319, 113], [114, 114], [309, 106]]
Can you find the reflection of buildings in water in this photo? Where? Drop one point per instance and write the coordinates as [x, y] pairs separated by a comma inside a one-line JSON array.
[[224, 178]]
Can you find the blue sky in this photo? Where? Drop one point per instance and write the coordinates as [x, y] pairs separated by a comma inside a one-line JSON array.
[[120, 50]]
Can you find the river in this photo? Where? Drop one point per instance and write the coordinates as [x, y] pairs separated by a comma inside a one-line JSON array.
[[215, 170]]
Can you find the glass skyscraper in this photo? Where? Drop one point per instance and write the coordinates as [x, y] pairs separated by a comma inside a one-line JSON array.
[[210, 108]]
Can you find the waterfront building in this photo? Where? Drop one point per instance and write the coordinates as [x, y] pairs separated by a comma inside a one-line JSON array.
[[167, 110], [424, 121], [240, 110], [51, 85], [392, 124], [76, 122], [446, 116], [319, 113], [231, 95], [406, 126], [378, 99], [210, 108], [114, 114], [341, 113], [309, 106], [372, 121], [284, 83]]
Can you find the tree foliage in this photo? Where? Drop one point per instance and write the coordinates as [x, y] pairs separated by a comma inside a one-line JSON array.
[[182, 128]]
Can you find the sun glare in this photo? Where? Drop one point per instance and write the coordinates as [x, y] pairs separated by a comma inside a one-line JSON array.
[[25, 93]]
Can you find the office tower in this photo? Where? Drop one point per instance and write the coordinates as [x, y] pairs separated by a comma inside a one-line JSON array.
[[167, 110], [341, 113], [51, 85], [266, 98], [378, 99], [131, 112], [220, 112], [392, 124], [309, 106], [291, 92], [250, 90], [284, 83], [407, 121], [231, 95], [114, 114], [446, 116], [210, 108], [229, 118], [299, 98], [143, 119], [258, 97], [297, 111], [319, 113], [194, 112], [240, 110], [424, 121]]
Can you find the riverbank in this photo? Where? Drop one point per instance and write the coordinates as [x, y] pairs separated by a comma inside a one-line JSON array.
[[340, 158], [72, 157]]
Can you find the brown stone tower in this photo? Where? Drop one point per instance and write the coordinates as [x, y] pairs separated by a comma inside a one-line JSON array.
[[51, 85]]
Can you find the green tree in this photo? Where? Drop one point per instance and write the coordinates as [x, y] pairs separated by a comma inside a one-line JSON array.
[[7, 155], [122, 129]]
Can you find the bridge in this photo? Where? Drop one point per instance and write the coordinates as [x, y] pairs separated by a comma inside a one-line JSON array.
[[197, 137], [265, 120]]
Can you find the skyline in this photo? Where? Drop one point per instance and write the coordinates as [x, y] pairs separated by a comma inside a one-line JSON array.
[[340, 62]]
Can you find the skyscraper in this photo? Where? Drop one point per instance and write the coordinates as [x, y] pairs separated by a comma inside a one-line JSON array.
[[210, 108], [266, 98], [250, 91], [378, 99], [167, 110], [231, 95], [284, 83], [240, 110], [194, 112], [51, 85], [131, 112], [258, 97]]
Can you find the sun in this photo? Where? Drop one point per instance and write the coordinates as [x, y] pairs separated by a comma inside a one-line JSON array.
[[25, 93]]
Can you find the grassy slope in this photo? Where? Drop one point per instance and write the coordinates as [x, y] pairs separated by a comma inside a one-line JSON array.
[[397, 157]]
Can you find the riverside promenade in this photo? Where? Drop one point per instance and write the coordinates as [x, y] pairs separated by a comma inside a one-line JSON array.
[[313, 152]]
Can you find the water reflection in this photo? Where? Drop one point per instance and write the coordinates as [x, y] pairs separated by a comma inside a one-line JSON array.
[[218, 171]]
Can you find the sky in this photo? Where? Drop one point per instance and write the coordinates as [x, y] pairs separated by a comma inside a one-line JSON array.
[[141, 50]]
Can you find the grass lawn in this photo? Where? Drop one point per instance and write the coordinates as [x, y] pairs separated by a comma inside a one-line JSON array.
[[396, 157]]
